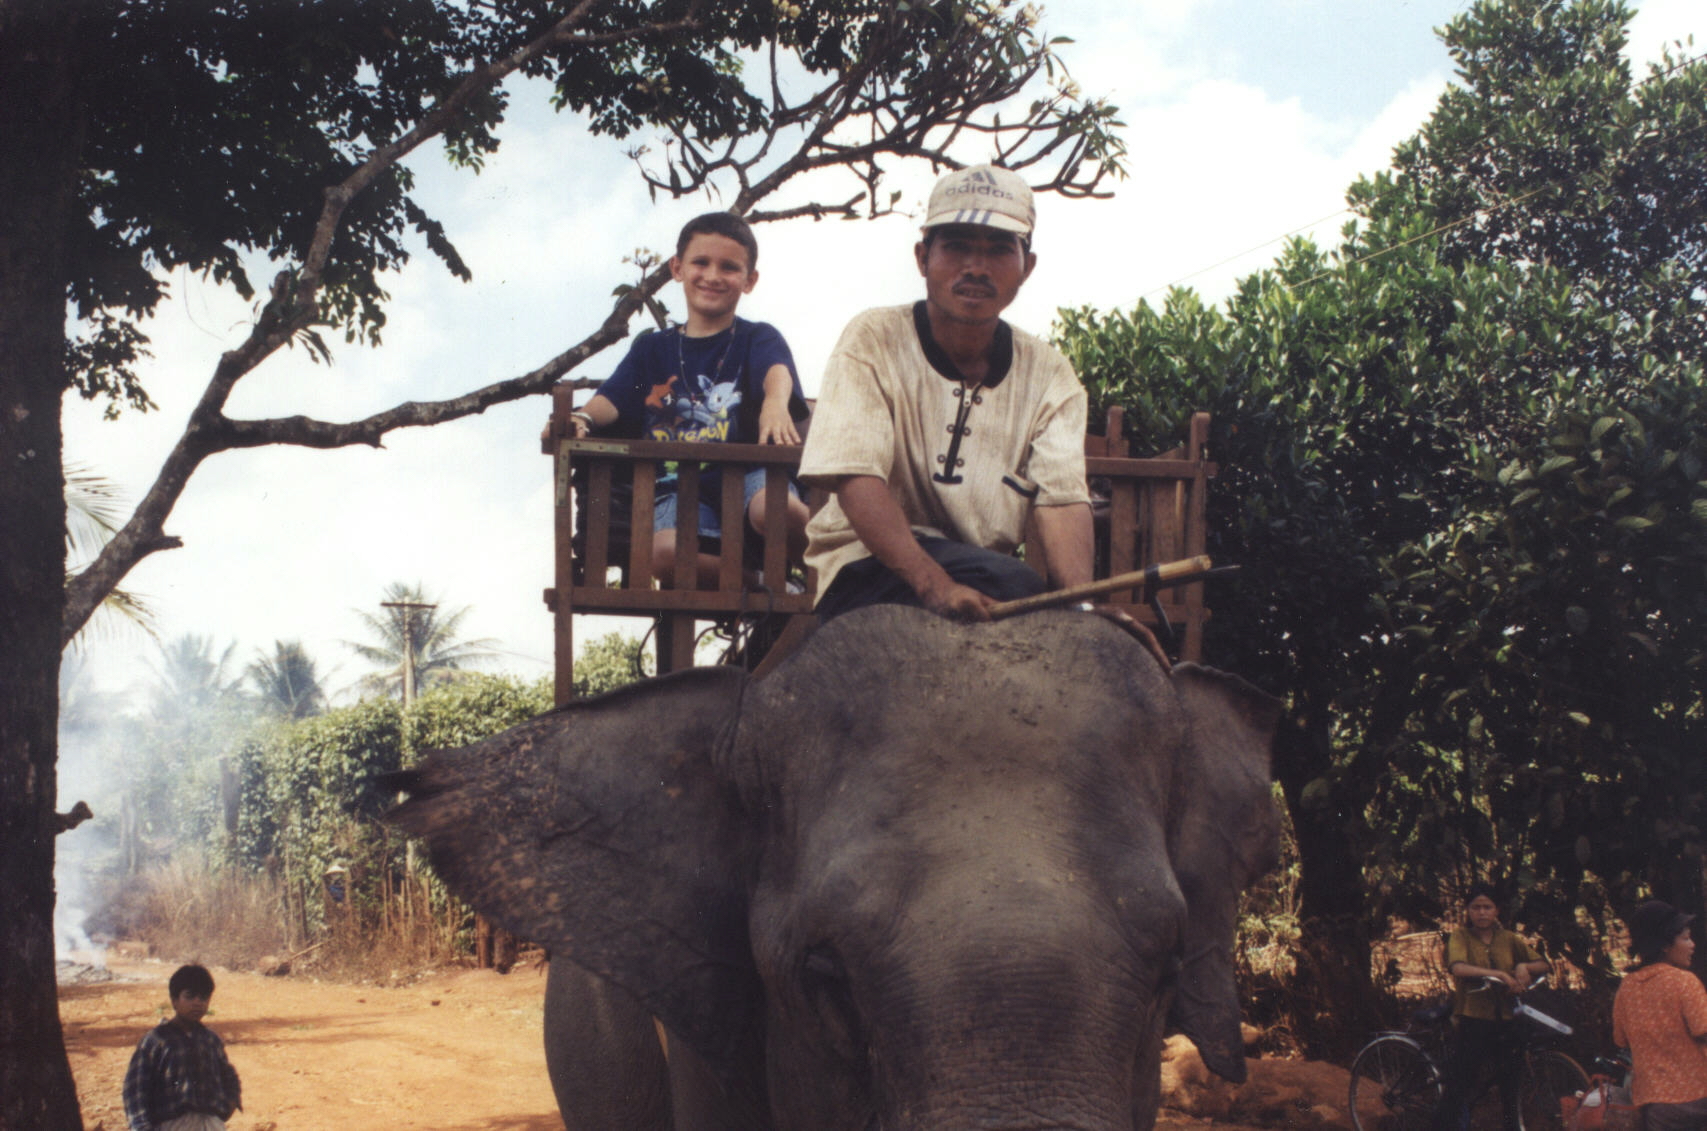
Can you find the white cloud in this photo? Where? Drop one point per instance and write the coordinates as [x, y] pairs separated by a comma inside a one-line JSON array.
[[1659, 24]]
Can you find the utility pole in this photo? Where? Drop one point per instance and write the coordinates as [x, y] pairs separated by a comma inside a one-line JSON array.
[[408, 618]]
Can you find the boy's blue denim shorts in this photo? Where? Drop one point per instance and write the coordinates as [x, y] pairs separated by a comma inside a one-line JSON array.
[[664, 510]]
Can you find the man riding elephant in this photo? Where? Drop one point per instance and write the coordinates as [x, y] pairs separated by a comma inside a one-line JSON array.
[[940, 429]]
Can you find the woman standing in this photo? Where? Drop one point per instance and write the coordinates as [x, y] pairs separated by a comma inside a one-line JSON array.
[[1482, 1039], [1660, 1015]]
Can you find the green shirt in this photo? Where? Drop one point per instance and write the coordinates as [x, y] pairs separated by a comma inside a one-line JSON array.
[[1473, 998]]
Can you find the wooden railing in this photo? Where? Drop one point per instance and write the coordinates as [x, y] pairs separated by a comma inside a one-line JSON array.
[[1148, 511]]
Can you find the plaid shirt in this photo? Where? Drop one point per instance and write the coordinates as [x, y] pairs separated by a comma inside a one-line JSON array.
[[174, 1072]]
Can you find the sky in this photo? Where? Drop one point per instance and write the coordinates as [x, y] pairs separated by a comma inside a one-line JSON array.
[[1246, 122]]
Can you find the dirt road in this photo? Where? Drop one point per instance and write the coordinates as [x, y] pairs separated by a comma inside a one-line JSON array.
[[457, 1051]]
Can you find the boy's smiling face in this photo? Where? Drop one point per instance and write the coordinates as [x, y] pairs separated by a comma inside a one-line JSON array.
[[714, 272]]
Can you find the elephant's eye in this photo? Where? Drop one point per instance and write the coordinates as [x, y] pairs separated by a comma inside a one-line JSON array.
[[823, 962], [824, 980]]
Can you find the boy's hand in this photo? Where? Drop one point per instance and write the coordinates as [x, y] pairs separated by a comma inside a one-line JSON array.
[[775, 425]]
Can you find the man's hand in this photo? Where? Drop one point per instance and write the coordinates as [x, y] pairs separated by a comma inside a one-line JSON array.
[[948, 598], [1138, 629]]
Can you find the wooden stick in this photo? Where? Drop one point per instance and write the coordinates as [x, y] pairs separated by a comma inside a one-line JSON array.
[[1167, 571]]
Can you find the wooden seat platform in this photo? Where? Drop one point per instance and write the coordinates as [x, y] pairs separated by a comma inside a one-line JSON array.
[[1148, 511]]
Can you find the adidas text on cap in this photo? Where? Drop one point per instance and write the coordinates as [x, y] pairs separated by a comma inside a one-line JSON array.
[[986, 195]]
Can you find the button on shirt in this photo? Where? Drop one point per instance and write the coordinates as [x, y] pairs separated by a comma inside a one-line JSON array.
[[1659, 1015]]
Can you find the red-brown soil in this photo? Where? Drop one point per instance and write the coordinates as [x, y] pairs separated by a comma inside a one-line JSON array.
[[460, 1050], [455, 1051]]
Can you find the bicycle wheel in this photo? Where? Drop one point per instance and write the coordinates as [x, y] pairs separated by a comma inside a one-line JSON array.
[[1548, 1077], [1394, 1086]]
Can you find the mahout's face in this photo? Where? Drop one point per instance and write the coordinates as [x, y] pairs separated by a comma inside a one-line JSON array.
[[972, 273]]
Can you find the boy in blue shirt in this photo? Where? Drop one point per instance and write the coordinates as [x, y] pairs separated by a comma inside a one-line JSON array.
[[717, 378]]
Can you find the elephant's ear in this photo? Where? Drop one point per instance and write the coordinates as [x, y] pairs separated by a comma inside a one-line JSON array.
[[606, 831], [1225, 834]]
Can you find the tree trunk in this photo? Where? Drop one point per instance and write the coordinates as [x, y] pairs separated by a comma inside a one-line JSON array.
[[1334, 1002], [39, 138]]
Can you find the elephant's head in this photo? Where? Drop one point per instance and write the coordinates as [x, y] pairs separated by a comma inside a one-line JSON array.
[[923, 875]]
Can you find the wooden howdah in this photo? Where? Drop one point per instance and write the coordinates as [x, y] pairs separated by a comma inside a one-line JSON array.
[[1148, 511]]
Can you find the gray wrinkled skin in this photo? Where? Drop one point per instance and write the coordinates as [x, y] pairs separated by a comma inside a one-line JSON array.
[[923, 876]]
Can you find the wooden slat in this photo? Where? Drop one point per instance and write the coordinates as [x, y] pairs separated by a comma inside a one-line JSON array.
[[1196, 507], [649, 601], [1114, 430], [1142, 468], [775, 521], [562, 596], [685, 452], [675, 642], [687, 527], [640, 525], [733, 523], [1123, 532], [597, 535]]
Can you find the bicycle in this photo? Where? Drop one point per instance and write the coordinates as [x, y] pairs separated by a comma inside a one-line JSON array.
[[1396, 1079]]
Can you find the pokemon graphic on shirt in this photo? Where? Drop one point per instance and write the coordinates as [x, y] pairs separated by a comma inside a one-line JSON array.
[[706, 413]]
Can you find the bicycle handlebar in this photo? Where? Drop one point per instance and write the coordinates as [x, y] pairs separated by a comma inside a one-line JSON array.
[[1524, 1011], [1490, 982]]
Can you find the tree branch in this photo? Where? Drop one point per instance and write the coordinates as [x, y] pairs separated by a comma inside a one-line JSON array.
[[292, 308], [908, 100]]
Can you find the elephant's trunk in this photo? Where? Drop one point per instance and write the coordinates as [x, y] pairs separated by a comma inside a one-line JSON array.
[[1054, 1106], [1043, 1039]]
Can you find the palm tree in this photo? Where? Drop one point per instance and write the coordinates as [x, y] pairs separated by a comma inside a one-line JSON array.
[[92, 514], [413, 633], [287, 682], [193, 712], [190, 680]]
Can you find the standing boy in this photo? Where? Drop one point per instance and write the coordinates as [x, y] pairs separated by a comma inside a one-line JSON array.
[[179, 1079], [718, 378]]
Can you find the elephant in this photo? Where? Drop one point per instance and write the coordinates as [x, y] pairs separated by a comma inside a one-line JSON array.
[[924, 874]]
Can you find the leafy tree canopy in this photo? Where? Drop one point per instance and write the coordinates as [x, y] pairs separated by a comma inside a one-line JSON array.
[[613, 660], [1461, 468]]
